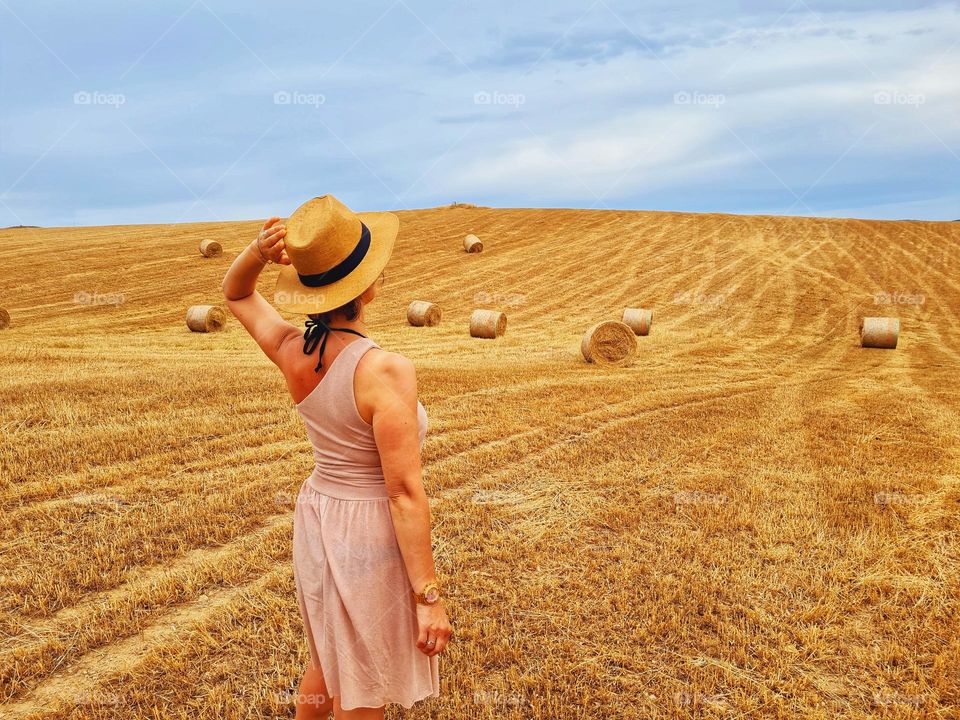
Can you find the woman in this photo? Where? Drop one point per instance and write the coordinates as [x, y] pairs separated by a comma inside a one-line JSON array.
[[366, 583]]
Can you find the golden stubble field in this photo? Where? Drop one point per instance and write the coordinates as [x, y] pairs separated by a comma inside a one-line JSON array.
[[758, 519]]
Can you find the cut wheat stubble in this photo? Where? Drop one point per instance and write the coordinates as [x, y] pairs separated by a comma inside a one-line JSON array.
[[487, 324], [421, 313], [879, 332], [210, 248], [609, 343], [206, 318], [472, 244], [638, 319]]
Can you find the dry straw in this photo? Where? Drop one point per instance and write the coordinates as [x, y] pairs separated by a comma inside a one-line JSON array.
[[487, 324], [210, 248], [609, 343], [472, 244], [638, 319], [422, 313], [879, 332], [4, 319], [206, 318]]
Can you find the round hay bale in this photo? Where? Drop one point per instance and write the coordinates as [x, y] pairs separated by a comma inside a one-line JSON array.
[[879, 332], [422, 313], [487, 324], [472, 244], [210, 248], [609, 343], [4, 319], [205, 318], [638, 319]]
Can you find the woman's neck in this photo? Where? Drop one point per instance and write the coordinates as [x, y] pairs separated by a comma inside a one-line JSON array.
[[357, 325]]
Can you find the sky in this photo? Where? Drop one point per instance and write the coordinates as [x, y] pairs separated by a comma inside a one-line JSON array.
[[208, 110]]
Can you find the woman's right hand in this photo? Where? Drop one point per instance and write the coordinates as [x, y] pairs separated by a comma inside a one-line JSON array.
[[269, 243], [434, 625]]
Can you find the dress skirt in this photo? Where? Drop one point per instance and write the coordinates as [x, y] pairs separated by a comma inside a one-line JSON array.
[[359, 614]]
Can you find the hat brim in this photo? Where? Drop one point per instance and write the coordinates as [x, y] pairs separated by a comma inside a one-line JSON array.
[[293, 296]]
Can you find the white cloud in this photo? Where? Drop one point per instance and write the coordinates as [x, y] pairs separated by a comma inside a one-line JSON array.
[[598, 116], [803, 102]]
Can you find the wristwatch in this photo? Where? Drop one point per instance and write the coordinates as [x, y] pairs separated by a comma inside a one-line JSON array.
[[430, 595]]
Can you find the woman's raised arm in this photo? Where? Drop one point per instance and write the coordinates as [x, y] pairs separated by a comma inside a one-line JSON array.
[[260, 318]]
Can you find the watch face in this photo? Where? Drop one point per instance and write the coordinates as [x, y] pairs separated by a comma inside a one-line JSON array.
[[433, 594]]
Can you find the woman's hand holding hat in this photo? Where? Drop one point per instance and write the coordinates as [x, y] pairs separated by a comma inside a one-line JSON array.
[[269, 244]]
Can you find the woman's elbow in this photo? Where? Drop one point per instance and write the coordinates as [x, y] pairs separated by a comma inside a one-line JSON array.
[[405, 495], [231, 295]]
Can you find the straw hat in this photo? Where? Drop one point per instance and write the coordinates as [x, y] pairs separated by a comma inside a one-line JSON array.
[[335, 254]]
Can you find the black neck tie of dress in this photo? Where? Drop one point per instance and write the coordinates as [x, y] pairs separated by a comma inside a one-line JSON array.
[[317, 333]]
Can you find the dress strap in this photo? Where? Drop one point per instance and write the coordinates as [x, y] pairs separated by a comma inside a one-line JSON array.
[[317, 333]]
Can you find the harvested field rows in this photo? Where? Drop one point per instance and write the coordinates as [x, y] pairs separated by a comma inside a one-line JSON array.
[[757, 518]]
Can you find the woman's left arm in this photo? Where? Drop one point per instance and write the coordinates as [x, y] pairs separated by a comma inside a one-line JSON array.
[[259, 317]]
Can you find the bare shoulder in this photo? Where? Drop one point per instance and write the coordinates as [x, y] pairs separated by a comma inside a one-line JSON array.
[[289, 349], [382, 377], [385, 366]]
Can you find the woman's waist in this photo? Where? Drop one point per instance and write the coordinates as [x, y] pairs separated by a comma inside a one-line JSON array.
[[348, 487]]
